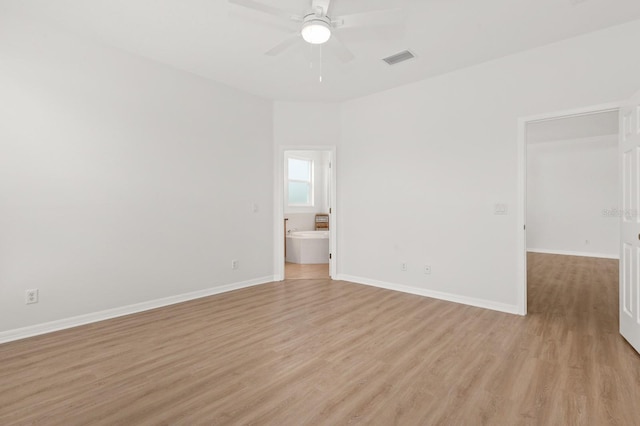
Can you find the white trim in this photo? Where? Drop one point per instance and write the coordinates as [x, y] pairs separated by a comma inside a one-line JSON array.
[[521, 258], [521, 234], [470, 301], [574, 253], [574, 112], [48, 327], [587, 139], [278, 227]]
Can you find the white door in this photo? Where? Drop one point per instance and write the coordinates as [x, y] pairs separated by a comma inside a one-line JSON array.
[[332, 233], [630, 223]]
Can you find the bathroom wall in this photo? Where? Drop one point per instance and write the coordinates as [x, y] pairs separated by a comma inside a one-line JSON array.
[[301, 221]]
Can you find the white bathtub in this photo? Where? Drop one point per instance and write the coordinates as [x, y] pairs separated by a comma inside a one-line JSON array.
[[308, 247]]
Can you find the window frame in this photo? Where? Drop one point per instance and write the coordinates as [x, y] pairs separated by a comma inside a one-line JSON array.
[[310, 182]]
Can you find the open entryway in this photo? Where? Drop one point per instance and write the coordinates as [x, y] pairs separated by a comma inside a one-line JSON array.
[[572, 186], [305, 228], [573, 230], [579, 222]]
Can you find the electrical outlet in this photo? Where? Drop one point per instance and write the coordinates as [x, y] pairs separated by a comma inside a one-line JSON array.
[[403, 266], [235, 264], [427, 269], [31, 296]]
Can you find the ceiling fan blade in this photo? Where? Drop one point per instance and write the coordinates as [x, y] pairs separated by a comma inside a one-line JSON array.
[[252, 4], [373, 18], [284, 45], [340, 50], [323, 4]]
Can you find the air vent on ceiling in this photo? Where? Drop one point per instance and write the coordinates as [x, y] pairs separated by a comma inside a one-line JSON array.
[[399, 57]]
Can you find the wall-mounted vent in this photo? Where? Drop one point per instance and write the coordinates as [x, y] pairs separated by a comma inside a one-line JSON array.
[[399, 57]]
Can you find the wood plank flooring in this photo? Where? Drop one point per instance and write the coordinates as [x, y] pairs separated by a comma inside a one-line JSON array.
[[316, 352], [296, 271]]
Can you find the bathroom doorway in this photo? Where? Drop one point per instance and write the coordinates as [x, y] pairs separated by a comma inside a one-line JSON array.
[[305, 246]]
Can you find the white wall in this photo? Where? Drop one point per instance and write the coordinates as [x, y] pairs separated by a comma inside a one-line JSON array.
[[306, 124], [421, 166], [121, 180], [571, 185]]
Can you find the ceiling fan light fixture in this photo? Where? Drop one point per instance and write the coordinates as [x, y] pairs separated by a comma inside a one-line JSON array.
[[316, 31]]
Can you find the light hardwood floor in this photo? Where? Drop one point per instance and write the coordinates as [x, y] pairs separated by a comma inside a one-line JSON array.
[[296, 271], [324, 353]]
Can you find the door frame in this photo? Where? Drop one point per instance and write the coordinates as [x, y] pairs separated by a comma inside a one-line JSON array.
[[278, 223], [522, 185]]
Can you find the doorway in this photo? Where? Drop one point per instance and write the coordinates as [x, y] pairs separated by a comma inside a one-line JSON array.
[[305, 213], [568, 190]]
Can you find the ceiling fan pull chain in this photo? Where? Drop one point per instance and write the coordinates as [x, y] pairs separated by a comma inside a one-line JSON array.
[[320, 62]]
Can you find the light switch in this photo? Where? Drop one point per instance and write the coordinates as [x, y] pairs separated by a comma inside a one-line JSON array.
[[500, 209]]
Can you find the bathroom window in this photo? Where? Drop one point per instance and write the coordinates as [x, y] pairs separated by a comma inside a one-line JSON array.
[[300, 182]]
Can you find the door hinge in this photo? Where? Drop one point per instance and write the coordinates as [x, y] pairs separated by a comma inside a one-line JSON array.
[[329, 210], [330, 256], [525, 227]]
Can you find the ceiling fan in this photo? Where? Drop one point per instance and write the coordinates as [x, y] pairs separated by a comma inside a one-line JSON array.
[[318, 27]]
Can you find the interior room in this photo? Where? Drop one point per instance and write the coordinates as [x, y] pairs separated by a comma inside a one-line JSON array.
[[572, 186], [306, 204], [573, 214], [145, 208]]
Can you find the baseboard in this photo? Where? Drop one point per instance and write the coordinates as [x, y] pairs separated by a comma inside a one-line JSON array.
[[574, 253], [48, 327], [479, 303]]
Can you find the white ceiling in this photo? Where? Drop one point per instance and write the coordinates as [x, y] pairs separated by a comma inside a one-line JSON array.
[[226, 43], [576, 127]]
